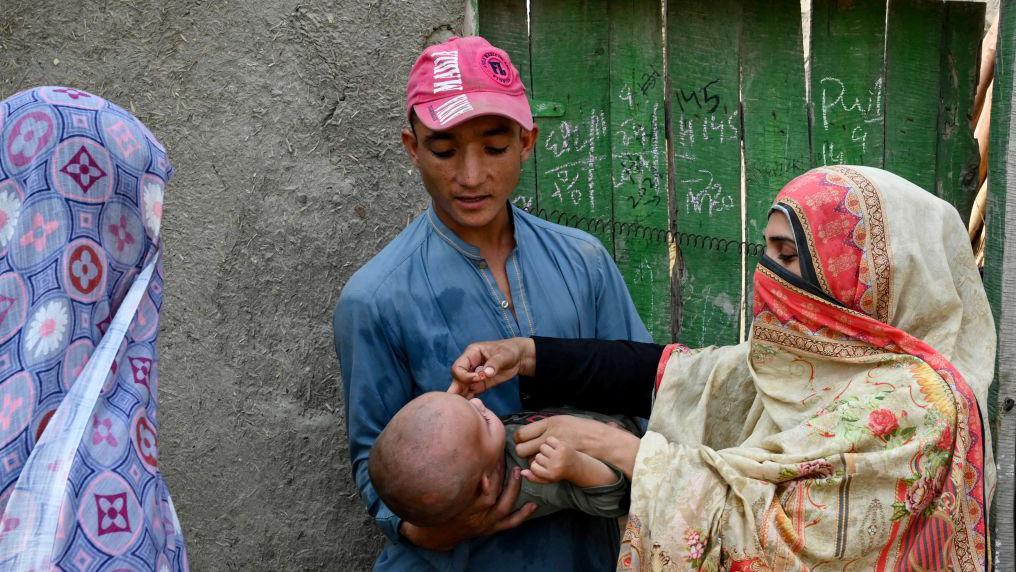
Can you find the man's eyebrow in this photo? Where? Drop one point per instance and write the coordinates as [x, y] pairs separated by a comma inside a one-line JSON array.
[[500, 130], [439, 136]]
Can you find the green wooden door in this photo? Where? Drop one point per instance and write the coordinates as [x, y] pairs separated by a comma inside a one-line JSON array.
[[667, 129]]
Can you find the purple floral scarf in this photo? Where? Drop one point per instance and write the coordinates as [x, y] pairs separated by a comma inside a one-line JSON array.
[[81, 191]]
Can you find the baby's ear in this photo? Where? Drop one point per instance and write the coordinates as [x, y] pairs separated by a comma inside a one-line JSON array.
[[486, 485]]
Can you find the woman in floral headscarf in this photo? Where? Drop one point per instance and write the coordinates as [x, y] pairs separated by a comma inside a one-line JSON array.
[[848, 430], [81, 187]]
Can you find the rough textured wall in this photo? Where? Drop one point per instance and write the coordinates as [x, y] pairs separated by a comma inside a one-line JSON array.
[[282, 119]]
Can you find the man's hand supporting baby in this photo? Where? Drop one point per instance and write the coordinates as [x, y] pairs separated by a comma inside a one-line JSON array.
[[489, 514]]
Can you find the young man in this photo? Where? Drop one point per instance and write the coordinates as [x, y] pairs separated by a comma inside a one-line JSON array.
[[472, 267]]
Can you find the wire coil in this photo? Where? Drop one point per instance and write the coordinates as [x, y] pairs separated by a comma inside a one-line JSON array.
[[645, 232]]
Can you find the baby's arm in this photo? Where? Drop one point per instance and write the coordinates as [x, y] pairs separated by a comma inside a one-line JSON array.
[[557, 461]]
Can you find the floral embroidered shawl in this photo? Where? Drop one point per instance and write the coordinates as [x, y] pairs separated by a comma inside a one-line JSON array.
[[81, 191], [846, 433]]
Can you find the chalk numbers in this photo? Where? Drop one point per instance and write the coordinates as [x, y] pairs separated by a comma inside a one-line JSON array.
[[845, 111], [577, 145], [704, 126], [637, 147]]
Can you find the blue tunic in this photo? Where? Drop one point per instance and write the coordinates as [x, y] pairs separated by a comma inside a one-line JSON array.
[[404, 318]]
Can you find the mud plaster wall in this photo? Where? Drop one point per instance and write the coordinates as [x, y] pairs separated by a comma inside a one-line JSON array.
[[282, 120]]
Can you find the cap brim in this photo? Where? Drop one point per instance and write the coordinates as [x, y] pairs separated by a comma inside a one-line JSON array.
[[481, 103]]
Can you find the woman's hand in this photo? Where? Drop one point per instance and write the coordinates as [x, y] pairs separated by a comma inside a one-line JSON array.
[[601, 441], [557, 461], [484, 365]]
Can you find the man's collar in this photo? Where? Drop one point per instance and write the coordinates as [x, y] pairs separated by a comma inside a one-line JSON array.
[[466, 249]]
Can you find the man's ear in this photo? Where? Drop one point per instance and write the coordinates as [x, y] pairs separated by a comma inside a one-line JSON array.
[[528, 139], [411, 144]]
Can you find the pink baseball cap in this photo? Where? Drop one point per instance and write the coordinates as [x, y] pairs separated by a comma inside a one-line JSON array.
[[465, 78]]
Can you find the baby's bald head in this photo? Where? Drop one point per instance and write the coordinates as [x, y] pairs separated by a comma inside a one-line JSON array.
[[424, 465]]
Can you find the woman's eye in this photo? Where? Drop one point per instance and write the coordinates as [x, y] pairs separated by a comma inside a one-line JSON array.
[[787, 258]]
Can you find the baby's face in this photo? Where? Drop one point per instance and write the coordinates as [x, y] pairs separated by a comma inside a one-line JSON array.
[[477, 440], [487, 433]]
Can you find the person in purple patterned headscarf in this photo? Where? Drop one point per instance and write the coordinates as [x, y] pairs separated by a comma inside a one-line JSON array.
[[81, 190]]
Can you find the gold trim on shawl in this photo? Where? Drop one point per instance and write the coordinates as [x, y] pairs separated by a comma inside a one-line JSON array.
[[878, 243]]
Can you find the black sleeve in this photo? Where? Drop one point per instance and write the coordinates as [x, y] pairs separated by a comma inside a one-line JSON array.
[[610, 377]]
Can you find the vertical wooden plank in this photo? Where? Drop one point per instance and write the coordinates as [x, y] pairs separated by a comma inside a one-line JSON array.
[[776, 143], [703, 40], [847, 81], [570, 65], [505, 24], [638, 158], [958, 156], [912, 89], [1000, 278], [470, 20]]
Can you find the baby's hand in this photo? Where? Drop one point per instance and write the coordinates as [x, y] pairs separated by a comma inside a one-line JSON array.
[[557, 461], [553, 463]]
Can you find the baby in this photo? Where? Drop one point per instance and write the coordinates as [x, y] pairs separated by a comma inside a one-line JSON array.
[[441, 452]]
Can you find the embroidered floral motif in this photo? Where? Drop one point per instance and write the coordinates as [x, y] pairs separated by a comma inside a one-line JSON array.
[[153, 206], [945, 441], [921, 490], [84, 268], [841, 264], [47, 328], [10, 208], [40, 231], [882, 423], [919, 495], [83, 169], [935, 390], [102, 431], [140, 368], [853, 418], [29, 136], [73, 93], [147, 442], [121, 234], [696, 547], [836, 229], [817, 468], [112, 513], [10, 406]]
